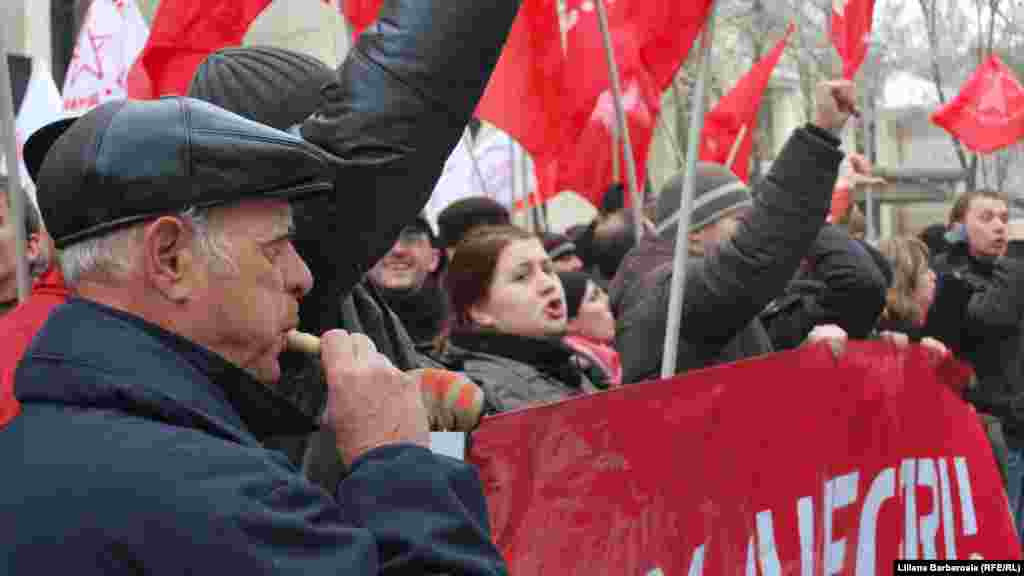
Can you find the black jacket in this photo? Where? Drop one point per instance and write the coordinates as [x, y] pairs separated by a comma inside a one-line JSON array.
[[978, 312], [404, 95], [726, 290], [842, 285], [138, 452]]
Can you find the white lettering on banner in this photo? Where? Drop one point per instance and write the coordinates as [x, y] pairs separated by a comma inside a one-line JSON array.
[[697, 562], [908, 483], [948, 534], [970, 520], [805, 517], [767, 553], [751, 570], [920, 532], [882, 488], [929, 523], [839, 493]]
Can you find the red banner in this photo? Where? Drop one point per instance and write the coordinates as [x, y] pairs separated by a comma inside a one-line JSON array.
[[794, 463]]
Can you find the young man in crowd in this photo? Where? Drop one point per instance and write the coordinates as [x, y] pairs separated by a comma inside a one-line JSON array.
[[979, 312], [746, 247], [407, 279]]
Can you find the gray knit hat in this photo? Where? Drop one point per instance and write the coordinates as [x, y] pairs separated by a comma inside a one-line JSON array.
[[718, 192], [275, 86]]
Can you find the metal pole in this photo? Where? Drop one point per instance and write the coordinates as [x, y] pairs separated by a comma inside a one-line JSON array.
[[15, 198], [682, 250], [623, 129]]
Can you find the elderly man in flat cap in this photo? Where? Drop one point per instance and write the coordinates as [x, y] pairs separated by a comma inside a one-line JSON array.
[[146, 396]]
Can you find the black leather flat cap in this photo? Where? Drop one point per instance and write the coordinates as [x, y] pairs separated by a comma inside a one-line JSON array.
[[132, 160]]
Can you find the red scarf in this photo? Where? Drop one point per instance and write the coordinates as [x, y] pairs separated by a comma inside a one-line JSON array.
[[603, 355]]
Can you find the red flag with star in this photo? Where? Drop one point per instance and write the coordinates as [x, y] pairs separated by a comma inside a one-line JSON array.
[[735, 116], [988, 113], [184, 32], [849, 30]]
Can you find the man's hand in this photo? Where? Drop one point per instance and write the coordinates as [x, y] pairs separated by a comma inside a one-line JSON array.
[[835, 102], [831, 334], [370, 403]]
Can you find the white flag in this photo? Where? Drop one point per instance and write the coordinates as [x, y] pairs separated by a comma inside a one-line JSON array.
[[40, 106], [492, 175], [111, 38]]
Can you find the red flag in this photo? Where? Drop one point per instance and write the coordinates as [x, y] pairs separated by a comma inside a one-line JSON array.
[[182, 35], [988, 113], [851, 25], [360, 13], [586, 167], [735, 116]]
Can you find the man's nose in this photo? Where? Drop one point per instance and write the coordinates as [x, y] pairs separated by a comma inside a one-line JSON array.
[[298, 278]]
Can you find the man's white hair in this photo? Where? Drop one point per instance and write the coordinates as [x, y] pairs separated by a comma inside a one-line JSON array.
[[112, 257]]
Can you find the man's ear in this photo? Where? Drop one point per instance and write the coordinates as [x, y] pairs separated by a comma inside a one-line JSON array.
[[170, 262], [435, 260], [482, 318]]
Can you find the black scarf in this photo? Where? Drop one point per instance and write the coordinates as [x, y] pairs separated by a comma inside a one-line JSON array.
[[548, 355], [423, 312]]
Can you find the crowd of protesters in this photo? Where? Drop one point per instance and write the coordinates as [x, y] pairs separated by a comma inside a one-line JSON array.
[[175, 239]]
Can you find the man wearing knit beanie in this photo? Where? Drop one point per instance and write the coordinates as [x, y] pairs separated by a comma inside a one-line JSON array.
[[745, 248]]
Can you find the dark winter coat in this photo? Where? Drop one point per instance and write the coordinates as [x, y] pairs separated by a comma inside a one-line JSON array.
[[138, 452], [978, 312], [842, 285], [515, 371], [726, 290]]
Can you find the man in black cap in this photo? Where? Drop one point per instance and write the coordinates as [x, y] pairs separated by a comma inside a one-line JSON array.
[[145, 398]]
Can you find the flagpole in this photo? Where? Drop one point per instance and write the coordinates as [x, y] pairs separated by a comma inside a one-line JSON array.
[[736, 147], [15, 198], [467, 142], [623, 129], [682, 249]]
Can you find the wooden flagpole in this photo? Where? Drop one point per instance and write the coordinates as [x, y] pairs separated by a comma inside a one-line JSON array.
[[682, 249], [731, 159], [623, 128], [15, 198]]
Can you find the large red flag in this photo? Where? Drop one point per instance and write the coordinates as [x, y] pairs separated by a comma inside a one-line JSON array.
[[851, 25], [735, 116], [988, 113], [585, 167], [183, 33]]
